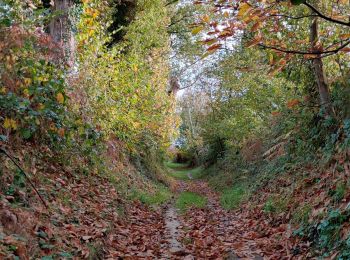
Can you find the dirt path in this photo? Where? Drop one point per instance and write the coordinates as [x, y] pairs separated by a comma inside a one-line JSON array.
[[172, 225], [200, 233], [214, 233]]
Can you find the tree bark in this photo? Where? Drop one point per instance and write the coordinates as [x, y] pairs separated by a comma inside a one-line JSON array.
[[323, 89], [60, 29]]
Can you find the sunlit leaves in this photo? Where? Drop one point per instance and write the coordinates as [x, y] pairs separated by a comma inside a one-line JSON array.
[[243, 10], [126, 84], [10, 123], [197, 30], [60, 98], [345, 36], [280, 24], [31, 79]]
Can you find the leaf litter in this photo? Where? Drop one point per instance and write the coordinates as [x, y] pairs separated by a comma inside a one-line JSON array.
[[83, 222]]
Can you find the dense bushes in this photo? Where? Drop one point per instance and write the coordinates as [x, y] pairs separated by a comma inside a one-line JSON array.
[[112, 91], [32, 90]]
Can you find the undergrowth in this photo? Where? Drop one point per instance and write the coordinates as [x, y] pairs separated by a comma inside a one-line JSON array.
[[231, 198], [160, 196]]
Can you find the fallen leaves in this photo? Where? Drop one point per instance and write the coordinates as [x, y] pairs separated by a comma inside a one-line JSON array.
[[88, 218]]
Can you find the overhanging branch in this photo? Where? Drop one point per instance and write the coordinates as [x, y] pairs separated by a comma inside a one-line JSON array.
[[327, 18], [325, 52]]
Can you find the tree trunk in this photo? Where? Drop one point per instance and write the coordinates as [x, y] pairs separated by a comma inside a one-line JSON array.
[[60, 29], [323, 89]]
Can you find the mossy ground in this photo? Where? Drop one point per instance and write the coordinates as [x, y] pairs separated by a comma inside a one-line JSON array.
[[181, 171], [188, 199]]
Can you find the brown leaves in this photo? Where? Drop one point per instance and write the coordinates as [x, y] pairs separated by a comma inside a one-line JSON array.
[[214, 47], [292, 103], [8, 219], [212, 233]]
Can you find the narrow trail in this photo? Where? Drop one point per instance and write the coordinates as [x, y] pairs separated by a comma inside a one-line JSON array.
[[172, 225], [210, 233], [200, 233], [215, 233]]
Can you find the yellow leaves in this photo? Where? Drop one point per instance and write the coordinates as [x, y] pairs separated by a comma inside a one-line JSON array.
[[41, 106], [10, 61], [344, 36], [27, 82], [135, 68], [197, 30], [136, 125], [225, 34], [60, 98], [92, 12], [2, 90], [53, 127], [10, 123], [42, 78], [89, 22], [208, 41], [206, 18], [244, 8], [91, 32], [26, 92], [271, 59], [310, 56]]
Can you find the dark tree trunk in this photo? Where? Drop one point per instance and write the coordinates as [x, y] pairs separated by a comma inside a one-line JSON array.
[[323, 89]]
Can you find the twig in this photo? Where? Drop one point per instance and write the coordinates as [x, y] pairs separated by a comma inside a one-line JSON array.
[[292, 17], [22, 171], [327, 18], [327, 52]]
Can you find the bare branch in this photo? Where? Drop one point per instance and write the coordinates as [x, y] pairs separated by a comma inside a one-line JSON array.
[[292, 17], [327, 18], [325, 53]]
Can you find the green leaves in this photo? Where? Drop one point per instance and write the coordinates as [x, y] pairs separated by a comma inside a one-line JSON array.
[[26, 133]]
